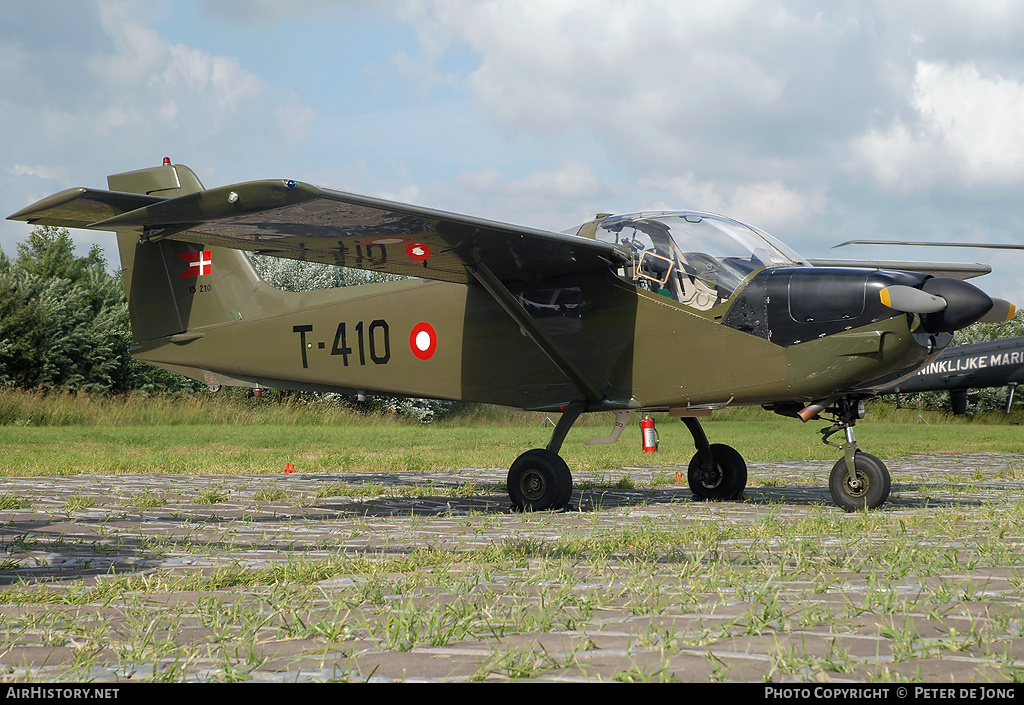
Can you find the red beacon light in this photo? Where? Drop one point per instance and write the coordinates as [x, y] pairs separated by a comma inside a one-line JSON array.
[[167, 161]]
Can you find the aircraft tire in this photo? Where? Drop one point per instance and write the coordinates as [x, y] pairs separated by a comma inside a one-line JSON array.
[[875, 483], [730, 475], [539, 479]]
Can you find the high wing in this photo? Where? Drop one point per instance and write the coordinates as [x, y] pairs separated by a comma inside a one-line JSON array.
[[300, 221]]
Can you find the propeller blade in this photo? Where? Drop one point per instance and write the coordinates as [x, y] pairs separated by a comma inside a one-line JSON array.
[[989, 245], [910, 300], [1002, 310]]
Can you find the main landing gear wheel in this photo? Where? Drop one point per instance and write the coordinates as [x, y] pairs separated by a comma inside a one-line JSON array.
[[539, 479], [868, 491], [725, 480]]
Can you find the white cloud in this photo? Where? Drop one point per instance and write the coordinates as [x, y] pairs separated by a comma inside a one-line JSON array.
[[168, 112], [572, 181], [899, 159], [40, 172], [255, 12], [294, 121], [139, 53], [423, 74], [217, 81], [978, 117], [774, 206], [650, 79], [551, 199], [966, 131], [770, 205]]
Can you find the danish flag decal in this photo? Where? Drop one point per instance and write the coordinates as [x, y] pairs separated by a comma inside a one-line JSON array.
[[199, 263]]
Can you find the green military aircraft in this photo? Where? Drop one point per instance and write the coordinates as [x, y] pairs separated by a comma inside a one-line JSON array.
[[674, 311]]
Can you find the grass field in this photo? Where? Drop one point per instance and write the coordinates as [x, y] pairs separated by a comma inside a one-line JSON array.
[[157, 539], [67, 434]]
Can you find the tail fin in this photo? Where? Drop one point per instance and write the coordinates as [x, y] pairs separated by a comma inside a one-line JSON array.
[[176, 287]]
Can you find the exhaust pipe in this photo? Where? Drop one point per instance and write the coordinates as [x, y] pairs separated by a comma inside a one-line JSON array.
[[812, 410]]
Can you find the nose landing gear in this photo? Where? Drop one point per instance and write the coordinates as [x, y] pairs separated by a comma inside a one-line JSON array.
[[867, 488], [859, 480]]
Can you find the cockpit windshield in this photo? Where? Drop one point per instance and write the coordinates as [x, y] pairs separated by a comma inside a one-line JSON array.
[[695, 258]]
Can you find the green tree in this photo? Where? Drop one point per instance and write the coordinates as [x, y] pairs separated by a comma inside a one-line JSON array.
[[64, 321], [49, 252], [294, 275], [52, 336]]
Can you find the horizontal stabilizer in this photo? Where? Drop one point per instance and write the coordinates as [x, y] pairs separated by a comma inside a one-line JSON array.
[[80, 207]]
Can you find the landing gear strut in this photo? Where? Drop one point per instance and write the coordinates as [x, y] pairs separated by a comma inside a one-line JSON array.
[[716, 471], [859, 480], [539, 478]]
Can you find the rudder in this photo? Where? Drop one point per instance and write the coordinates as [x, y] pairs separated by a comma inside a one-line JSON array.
[[174, 287]]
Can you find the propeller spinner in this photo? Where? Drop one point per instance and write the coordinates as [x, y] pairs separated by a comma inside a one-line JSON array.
[[946, 305]]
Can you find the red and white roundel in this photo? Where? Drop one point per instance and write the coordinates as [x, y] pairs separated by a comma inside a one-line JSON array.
[[417, 251], [423, 340]]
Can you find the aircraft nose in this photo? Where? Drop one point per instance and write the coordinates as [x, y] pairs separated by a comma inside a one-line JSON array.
[[946, 305]]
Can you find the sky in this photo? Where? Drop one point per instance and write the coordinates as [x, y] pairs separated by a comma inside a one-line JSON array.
[[819, 122]]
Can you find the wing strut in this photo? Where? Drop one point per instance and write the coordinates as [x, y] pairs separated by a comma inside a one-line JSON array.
[[520, 315]]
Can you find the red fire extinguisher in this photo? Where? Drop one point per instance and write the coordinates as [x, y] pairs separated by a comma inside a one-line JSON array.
[[649, 435]]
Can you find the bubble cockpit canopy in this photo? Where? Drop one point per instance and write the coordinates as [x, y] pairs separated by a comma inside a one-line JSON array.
[[695, 258]]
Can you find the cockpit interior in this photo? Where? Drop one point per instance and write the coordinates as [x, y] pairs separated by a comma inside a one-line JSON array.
[[697, 259]]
